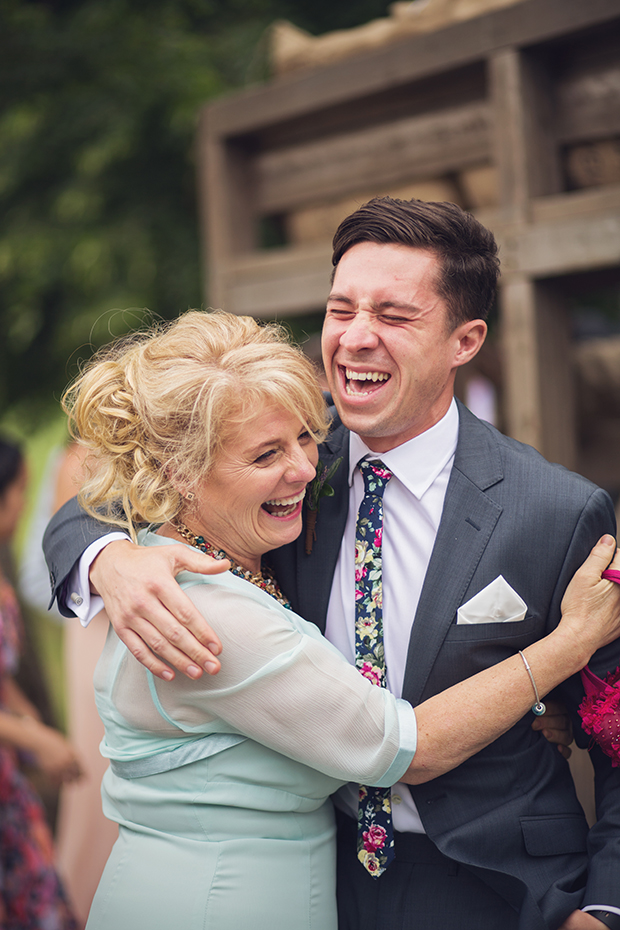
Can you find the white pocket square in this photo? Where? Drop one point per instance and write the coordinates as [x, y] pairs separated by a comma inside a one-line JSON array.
[[497, 603]]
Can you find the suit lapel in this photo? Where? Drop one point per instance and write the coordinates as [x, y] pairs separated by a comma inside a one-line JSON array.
[[468, 520], [315, 571]]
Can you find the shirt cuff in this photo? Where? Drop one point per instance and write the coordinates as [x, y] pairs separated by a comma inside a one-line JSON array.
[[78, 597], [601, 907], [408, 738]]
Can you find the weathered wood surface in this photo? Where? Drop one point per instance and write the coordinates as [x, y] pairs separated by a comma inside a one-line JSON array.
[[588, 103], [525, 151], [407, 149], [537, 369], [532, 21], [279, 283], [572, 241]]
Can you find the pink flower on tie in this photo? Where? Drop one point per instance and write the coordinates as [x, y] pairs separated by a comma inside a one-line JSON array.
[[374, 838], [378, 537], [372, 673], [382, 472]]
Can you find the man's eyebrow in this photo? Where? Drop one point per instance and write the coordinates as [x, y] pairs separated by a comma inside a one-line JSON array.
[[395, 305]]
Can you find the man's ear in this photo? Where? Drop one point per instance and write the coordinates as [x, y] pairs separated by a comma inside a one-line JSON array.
[[469, 337]]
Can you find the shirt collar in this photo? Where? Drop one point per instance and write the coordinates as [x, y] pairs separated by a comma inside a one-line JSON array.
[[418, 462]]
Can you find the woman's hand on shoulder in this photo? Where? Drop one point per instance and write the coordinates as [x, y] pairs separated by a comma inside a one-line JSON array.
[[591, 604], [149, 611]]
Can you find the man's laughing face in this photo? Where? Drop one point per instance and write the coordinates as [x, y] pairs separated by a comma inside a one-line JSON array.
[[389, 350]]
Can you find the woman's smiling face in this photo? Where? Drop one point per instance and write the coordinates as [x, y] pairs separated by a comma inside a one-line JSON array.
[[252, 499]]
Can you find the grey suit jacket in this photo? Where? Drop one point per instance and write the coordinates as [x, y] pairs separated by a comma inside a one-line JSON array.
[[510, 813]]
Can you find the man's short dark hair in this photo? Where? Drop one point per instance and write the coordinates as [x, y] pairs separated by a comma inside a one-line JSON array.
[[466, 250]]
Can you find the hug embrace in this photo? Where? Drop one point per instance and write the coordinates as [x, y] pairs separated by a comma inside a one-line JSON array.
[[453, 567]]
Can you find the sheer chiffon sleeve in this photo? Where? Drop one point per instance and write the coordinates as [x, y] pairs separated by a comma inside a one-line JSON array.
[[283, 685]]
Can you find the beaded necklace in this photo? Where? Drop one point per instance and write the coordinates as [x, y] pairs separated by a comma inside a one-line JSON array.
[[263, 579]]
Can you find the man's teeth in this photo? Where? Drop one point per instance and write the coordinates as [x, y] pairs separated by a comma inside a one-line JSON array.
[[363, 376], [366, 375]]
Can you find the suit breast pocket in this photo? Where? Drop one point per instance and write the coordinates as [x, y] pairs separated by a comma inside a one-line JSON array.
[[518, 631]]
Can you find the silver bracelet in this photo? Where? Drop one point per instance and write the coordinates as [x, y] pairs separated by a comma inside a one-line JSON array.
[[538, 708]]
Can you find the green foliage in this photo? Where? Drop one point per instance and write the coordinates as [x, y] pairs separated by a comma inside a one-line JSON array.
[[98, 105]]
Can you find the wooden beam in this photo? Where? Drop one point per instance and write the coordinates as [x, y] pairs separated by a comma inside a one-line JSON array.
[[557, 402], [278, 283], [588, 104], [404, 150], [522, 410], [525, 146], [227, 191], [538, 394], [561, 247], [525, 23]]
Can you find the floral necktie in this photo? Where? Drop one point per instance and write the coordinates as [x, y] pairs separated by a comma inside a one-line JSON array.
[[375, 836]]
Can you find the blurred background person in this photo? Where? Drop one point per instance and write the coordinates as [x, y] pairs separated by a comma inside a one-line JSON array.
[[84, 837], [31, 894]]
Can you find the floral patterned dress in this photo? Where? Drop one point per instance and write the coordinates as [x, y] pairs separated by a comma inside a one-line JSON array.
[[31, 896]]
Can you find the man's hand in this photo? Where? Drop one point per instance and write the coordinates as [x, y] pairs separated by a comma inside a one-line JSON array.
[[581, 920], [556, 726], [150, 612]]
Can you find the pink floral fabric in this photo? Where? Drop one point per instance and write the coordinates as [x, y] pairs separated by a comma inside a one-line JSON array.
[[31, 895], [600, 711], [375, 836]]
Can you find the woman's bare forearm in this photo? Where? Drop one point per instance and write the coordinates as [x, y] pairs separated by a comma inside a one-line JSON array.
[[459, 722], [454, 725]]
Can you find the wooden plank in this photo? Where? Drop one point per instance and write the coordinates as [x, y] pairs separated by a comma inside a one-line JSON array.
[[227, 204], [572, 206], [566, 207], [522, 409], [538, 390], [281, 283], [588, 104], [526, 23], [561, 247], [555, 377], [448, 89], [526, 153], [213, 212], [400, 151]]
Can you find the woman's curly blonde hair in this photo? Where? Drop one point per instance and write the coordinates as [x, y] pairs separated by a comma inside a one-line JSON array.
[[155, 409]]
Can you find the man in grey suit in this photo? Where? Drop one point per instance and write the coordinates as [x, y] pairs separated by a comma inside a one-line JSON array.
[[474, 523]]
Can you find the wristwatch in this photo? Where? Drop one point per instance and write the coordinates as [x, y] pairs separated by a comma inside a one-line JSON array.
[[609, 918]]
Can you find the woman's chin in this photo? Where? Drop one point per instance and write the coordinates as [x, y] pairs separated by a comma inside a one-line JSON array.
[[283, 530]]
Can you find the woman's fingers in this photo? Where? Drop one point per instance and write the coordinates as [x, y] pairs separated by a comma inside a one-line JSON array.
[[149, 611], [591, 604]]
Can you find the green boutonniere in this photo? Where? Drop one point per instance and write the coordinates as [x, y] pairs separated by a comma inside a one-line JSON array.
[[317, 489]]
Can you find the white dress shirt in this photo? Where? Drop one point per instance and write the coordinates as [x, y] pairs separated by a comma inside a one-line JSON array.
[[412, 506]]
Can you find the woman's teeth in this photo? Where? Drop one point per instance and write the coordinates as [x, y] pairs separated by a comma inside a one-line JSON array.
[[284, 506]]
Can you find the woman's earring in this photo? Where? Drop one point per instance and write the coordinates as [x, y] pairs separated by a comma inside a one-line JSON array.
[[189, 496]]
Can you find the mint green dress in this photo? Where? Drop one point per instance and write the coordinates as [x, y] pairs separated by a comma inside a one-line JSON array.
[[221, 786]]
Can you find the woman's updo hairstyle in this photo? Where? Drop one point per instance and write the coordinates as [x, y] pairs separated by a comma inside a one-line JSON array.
[[155, 409]]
